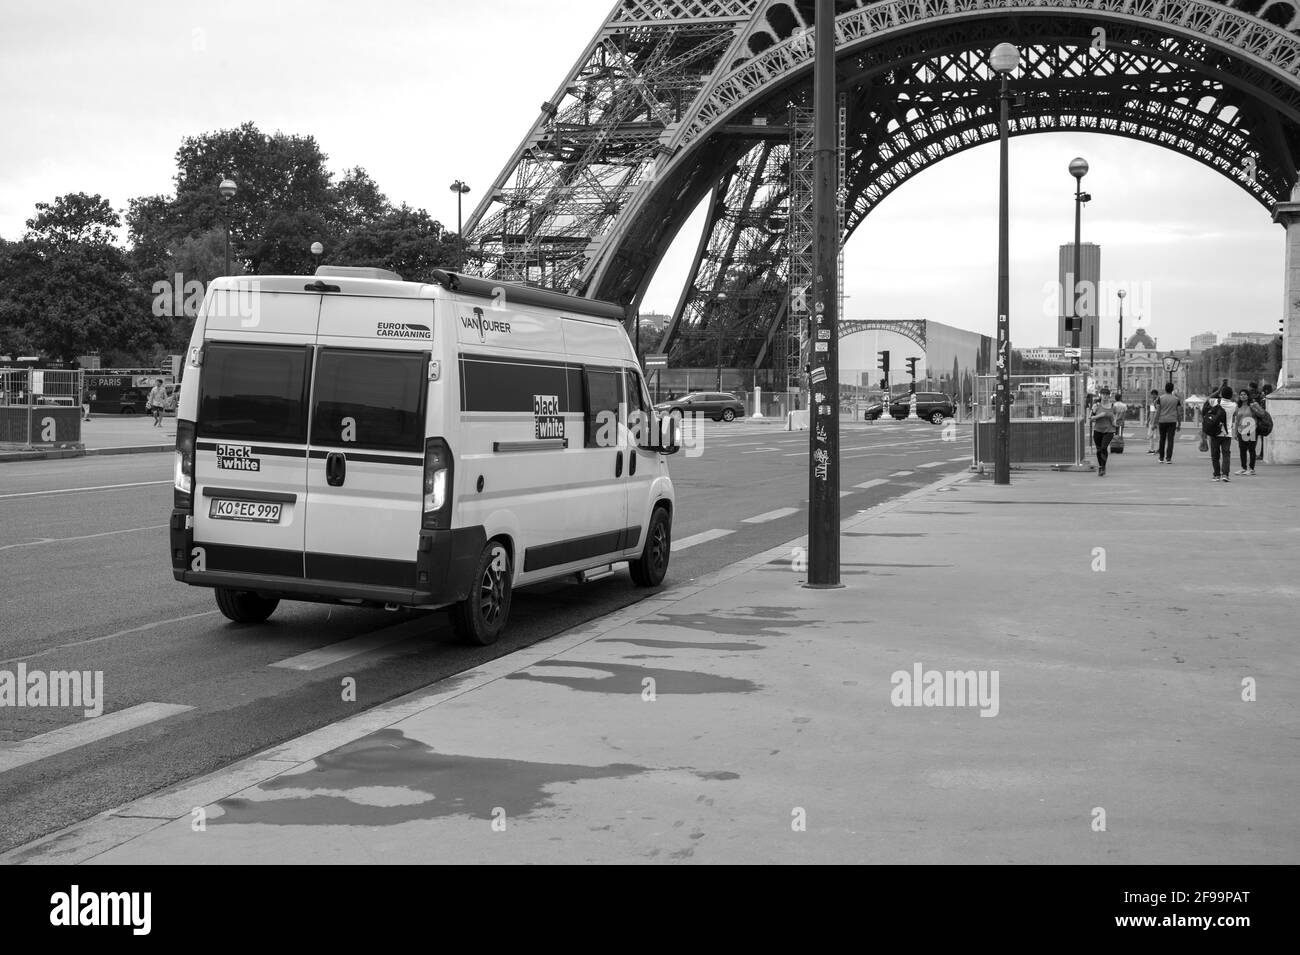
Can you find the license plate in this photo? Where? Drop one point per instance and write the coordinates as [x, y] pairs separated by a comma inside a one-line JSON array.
[[257, 511]]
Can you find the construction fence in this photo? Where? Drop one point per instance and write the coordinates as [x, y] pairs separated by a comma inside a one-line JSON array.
[[40, 408]]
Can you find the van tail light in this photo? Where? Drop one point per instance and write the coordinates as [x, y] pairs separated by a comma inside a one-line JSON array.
[[183, 475], [437, 484]]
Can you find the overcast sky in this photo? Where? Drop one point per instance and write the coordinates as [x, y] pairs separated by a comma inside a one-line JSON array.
[[421, 92]]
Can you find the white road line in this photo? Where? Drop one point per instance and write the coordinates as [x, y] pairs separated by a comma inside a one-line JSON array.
[[900, 474], [964, 457], [933, 464], [701, 538], [874, 482], [845, 493], [760, 450], [776, 515], [110, 636], [84, 537], [13, 755], [343, 650], [76, 490]]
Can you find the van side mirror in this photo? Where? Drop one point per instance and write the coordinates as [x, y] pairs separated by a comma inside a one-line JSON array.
[[670, 434]]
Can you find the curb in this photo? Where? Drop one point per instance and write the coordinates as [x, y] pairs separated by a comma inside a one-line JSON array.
[[83, 841], [60, 453]]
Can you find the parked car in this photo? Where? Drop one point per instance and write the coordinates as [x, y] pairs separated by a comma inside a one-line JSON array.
[[718, 405], [133, 401], [933, 406], [873, 411]]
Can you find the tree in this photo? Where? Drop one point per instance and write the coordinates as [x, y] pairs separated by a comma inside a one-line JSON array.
[[74, 219], [407, 241]]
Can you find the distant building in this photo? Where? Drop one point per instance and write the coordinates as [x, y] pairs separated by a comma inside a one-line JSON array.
[[1090, 274], [1204, 341], [1248, 338]]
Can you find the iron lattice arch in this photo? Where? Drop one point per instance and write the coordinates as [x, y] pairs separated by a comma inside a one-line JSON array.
[[676, 101]]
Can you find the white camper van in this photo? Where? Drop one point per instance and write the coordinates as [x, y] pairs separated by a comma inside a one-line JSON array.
[[352, 438]]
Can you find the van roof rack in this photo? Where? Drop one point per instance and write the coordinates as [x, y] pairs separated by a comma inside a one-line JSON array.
[[357, 272], [514, 292]]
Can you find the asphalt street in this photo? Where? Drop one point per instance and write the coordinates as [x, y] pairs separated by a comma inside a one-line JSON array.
[[85, 584]]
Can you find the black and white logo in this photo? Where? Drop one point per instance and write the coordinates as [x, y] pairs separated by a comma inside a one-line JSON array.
[[402, 330], [484, 325]]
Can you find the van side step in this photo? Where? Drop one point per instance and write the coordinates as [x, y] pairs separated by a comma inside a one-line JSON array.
[[594, 573]]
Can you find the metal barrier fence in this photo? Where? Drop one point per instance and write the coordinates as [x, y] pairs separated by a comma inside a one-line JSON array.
[[40, 408], [1048, 417]]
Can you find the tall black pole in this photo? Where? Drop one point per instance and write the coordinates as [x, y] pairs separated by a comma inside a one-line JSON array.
[[1076, 322], [824, 387], [1002, 448]]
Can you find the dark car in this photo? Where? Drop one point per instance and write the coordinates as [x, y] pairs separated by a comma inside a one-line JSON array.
[[133, 401], [873, 411], [933, 406], [718, 405]]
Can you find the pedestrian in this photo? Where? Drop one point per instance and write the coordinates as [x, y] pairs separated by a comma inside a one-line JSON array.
[[85, 401], [157, 401], [1102, 417], [1169, 418], [1262, 401], [1153, 411], [1244, 424], [1121, 412], [1216, 422]]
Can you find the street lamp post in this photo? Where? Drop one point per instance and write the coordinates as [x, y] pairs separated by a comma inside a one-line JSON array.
[[1171, 365], [317, 250], [719, 318], [1078, 169], [227, 189], [1119, 352], [1004, 59], [460, 189]]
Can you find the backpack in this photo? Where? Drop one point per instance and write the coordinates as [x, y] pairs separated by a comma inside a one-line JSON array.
[[1263, 422], [1213, 419]]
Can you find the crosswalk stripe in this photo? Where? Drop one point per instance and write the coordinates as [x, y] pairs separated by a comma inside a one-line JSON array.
[[45, 745], [900, 474], [874, 482], [343, 650], [701, 538], [933, 464], [779, 513]]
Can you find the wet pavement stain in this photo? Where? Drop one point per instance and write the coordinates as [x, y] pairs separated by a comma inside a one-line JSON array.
[[625, 678], [674, 644], [451, 785], [771, 622]]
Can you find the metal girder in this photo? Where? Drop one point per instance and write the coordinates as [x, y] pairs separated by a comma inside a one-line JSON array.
[[656, 112], [910, 328]]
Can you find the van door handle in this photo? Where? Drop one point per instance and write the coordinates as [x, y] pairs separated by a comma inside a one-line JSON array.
[[336, 469], [631, 462], [618, 465]]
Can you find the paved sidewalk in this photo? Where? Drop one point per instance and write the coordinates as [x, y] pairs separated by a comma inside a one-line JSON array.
[[1121, 615], [109, 434]]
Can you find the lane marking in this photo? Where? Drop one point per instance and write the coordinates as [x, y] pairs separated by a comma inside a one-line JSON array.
[[874, 482], [84, 537], [343, 650], [110, 636], [701, 538], [78, 490], [760, 450], [779, 513], [933, 464], [964, 457], [900, 474], [13, 755]]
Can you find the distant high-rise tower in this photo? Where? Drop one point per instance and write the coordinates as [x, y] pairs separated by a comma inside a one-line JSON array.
[[1090, 272], [1204, 341]]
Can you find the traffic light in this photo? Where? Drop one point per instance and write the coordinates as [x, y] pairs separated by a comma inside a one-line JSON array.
[[911, 366], [883, 363]]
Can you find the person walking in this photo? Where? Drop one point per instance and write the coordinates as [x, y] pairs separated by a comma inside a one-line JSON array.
[[1153, 411], [85, 401], [1244, 424], [1102, 417], [1121, 412], [1169, 418], [1216, 423], [157, 401]]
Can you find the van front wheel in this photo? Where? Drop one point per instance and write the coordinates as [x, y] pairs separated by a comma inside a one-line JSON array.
[[481, 616], [651, 567], [244, 606]]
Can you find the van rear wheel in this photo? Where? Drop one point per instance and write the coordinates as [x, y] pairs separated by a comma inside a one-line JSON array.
[[244, 606], [480, 617], [651, 567]]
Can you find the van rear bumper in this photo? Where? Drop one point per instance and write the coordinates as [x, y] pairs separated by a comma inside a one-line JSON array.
[[440, 573]]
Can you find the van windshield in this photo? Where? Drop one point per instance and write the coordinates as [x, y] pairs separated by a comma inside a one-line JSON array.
[[253, 392]]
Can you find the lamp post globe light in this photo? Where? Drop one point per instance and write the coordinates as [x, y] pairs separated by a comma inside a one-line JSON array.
[[227, 190], [460, 189], [1004, 59]]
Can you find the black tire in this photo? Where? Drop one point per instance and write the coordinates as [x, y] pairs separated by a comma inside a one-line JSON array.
[[244, 606], [651, 567], [936, 417], [728, 414], [481, 617]]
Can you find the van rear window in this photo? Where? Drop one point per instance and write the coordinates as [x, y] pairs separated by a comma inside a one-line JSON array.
[[370, 399], [254, 392]]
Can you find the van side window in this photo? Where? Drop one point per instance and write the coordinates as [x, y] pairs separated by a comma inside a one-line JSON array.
[[603, 393], [254, 392], [369, 399], [639, 415]]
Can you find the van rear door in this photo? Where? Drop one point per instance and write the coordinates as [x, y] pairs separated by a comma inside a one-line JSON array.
[[365, 472]]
